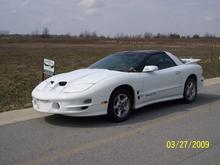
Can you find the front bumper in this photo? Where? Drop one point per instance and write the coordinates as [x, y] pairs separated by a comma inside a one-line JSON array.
[[71, 104], [68, 108]]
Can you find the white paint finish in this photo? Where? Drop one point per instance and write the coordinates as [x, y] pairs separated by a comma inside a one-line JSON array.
[[190, 60], [162, 83], [150, 68], [28, 114], [98, 84]]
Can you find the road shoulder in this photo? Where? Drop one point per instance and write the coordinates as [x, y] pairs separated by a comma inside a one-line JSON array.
[[19, 115]]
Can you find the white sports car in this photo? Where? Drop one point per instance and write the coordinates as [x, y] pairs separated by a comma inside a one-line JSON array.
[[119, 83]]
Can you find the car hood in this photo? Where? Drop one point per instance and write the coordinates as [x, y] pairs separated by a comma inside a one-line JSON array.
[[84, 76], [78, 77]]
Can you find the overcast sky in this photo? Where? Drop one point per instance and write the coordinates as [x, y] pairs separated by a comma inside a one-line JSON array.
[[111, 16]]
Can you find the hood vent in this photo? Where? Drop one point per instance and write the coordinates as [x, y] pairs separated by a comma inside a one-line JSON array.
[[62, 83]]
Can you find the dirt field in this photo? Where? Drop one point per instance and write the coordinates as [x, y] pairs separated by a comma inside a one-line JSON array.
[[21, 60]]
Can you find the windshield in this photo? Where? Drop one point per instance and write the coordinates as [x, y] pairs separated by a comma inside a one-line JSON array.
[[125, 62]]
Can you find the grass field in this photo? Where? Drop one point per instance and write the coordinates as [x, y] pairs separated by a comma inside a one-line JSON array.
[[21, 60]]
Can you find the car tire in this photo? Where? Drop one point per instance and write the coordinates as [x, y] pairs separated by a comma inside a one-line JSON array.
[[120, 105], [190, 91]]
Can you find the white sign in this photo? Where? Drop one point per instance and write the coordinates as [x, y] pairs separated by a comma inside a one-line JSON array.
[[49, 67]]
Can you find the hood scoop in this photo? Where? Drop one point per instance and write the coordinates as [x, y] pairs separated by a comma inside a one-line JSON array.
[[62, 83]]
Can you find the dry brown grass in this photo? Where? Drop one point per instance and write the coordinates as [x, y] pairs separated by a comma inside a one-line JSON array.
[[20, 61]]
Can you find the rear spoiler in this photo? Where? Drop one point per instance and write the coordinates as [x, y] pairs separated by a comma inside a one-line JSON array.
[[190, 60]]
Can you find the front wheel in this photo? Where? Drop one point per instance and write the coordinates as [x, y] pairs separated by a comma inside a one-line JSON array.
[[190, 91], [120, 105]]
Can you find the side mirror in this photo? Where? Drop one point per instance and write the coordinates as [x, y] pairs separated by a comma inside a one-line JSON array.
[[150, 68]]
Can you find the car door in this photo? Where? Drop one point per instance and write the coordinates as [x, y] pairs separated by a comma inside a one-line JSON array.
[[163, 83]]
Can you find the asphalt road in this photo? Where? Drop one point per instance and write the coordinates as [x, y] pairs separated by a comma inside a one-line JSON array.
[[140, 140]]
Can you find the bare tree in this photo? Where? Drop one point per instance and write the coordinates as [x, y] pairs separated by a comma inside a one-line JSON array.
[[196, 36], [148, 35], [207, 35], [45, 33], [4, 32], [35, 33], [174, 35]]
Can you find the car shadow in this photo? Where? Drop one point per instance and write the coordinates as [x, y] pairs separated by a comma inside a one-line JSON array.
[[150, 112]]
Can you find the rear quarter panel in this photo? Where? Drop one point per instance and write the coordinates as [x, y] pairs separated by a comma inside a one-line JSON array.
[[193, 69]]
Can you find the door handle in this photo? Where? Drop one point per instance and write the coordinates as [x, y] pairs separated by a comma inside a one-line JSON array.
[[178, 72]]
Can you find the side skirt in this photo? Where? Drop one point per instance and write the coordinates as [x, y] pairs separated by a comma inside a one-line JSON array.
[[159, 100]]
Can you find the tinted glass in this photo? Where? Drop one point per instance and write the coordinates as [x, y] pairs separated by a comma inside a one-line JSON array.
[[162, 61], [125, 62]]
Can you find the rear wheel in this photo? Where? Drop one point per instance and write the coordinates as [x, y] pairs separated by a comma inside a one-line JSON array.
[[190, 91], [120, 105]]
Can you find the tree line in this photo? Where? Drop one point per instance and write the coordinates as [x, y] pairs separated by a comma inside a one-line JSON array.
[[45, 33]]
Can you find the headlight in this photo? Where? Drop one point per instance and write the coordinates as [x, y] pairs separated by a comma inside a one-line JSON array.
[[77, 88]]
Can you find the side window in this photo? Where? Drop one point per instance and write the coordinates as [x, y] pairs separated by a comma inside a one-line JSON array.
[[162, 60]]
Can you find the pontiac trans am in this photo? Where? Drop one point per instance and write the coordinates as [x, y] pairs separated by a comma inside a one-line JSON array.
[[120, 83]]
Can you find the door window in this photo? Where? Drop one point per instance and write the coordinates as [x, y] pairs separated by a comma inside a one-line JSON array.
[[162, 61]]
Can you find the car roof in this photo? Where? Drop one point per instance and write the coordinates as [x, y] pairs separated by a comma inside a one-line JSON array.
[[149, 52]]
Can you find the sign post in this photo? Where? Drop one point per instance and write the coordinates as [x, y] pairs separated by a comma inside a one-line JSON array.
[[48, 68]]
